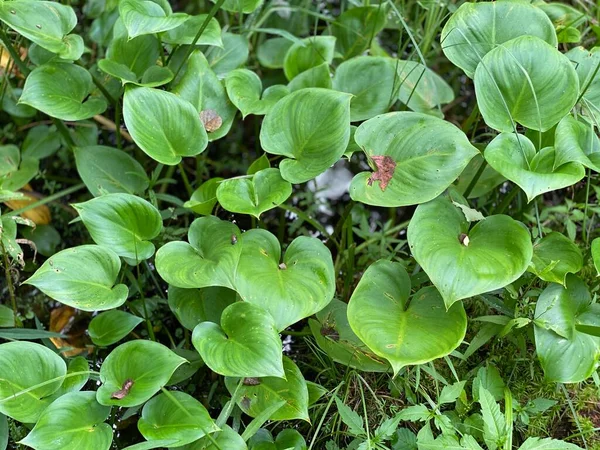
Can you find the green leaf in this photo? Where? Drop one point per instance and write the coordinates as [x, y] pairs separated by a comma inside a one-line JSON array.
[[416, 413], [124, 223], [512, 86], [226, 439], [163, 125], [61, 90], [22, 334], [415, 158], [333, 334], [3, 432], [586, 65], [356, 27], [514, 156], [193, 306], [292, 288], [317, 77], [477, 28], [271, 53], [421, 89], [245, 91], [82, 277], [185, 371], [48, 24], [451, 392], [134, 55], [259, 164], [595, 249], [353, 421], [240, 6], [245, 345], [106, 170], [185, 33], [576, 142], [554, 256], [41, 141], [175, 415], [24, 365], [233, 54], [489, 378], [309, 53], [254, 194], [147, 17], [204, 199], [110, 327], [397, 329], [133, 372], [454, 257], [290, 439], [10, 157], [311, 127], [257, 394], [494, 423], [7, 317], [79, 417], [78, 374], [487, 181], [562, 316], [209, 259], [534, 443]]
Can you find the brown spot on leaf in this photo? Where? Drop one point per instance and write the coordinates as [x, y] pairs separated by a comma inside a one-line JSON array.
[[384, 172], [211, 120], [250, 381], [124, 391], [329, 332]]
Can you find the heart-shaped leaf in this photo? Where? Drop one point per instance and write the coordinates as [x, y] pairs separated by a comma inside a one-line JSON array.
[[163, 125], [515, 157], [317, 77], [133, 372], [82, 277], [290, 289], [24, 365], [356, 27], [148, 17], [564, 317], [78, 374], [477, 28], [185, 33], [48, 24], [110, 327], [416, 157], [134, 55], [310, 52], [245, 345], [311, 127], [226, 439], [421, 89], [554, 256], [460, 262], [175, 415], [106, 170], [245, 91], [61, 90], [400, 330], [255, 194], [124, 223], [271, 53], [240, 6], [232, 55], [512, 86], [586, 63], [192, 306], [333, 334], [576, 142], [209, 259], [257, 394], [204, 199], [79, 417]]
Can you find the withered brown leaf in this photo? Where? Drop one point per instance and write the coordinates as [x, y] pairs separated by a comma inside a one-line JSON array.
[[384, 172], [124, 391], [211, 119], [250, 381]]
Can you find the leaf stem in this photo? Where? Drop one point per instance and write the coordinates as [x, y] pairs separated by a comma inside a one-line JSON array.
[[475, 179], [13, 53], [45, 200]]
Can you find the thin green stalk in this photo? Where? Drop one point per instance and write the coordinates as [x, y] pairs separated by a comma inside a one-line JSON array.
[[324, 415], [507, 200], [13, 53], [186, 181], [45, 383], [8, 275], [575, 417], [99, 85], [118, 125], [584, 230], [45, 200], [64, 132], [475, 179], [537, 219]]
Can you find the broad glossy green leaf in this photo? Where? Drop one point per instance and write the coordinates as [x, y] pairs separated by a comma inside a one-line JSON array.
[[487, 181], [576, 142], [415, 158], [491, 255], [226, 439], [259, 164], [421, 89], [477, 28], [209, 259], [245, 91], [254, 194], [554, 256], [240, 6], [185, 33], [257, 394], [10, 157], [163, 125], [7, 317], [16, 171], [148, 17], [290, 288], [233, 54], [315, 77], [567, 354], [356, 27], [137, 54], [309, 53], [48, 24], [192, 306], [22, 366], [83, 277], [535, 443], [185, 371], [525, 81], [333, 334], [78, 374], [110, 327], [271, 53], [515, 157], [10, 104], [204, 199], [144, 366], [106, 170], [41, 141], [403, 331], [245, 345], [123, 223], [586, 65], [74, 421], [153, 77], [200, 86], [61, 90], [175, 415], [311, 127]]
